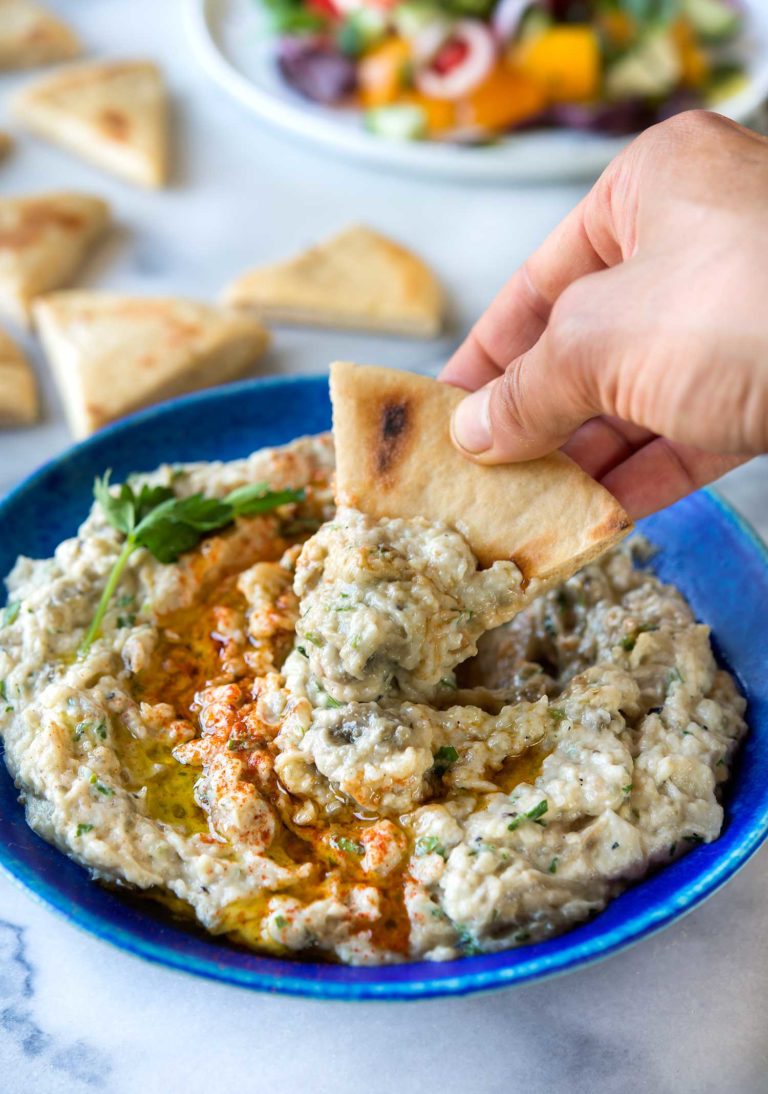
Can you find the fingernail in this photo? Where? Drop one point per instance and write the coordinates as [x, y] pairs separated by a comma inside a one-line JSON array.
[[471, 425]]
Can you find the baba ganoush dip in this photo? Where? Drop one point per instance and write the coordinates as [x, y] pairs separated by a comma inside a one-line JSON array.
[[330, 736]]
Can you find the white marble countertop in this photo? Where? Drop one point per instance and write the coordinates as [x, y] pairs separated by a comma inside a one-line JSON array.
[[683, 1013]]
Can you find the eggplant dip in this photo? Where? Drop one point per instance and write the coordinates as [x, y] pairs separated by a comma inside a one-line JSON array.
[[332, 736]]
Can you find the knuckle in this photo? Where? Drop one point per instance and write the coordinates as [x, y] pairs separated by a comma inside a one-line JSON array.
[[510, 408]]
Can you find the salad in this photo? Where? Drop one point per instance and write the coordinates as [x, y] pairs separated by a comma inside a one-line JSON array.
[[471, 70]]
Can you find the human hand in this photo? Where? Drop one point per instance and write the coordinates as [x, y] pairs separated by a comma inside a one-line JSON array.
[[636, 337]]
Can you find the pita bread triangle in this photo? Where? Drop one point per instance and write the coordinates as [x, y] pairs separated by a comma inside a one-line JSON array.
[[30, 35], [395, 458], [18, 391], [44, 239], [358, 279], [111, 354], [112, 113]]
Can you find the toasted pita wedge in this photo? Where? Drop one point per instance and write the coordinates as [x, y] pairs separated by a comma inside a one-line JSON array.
[[113, 114], [358, 280], [112, 354], [18, 391], [395, 458], [30, 35], [44, 239]]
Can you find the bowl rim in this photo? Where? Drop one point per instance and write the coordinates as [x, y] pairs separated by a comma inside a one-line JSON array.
[[311, 980]]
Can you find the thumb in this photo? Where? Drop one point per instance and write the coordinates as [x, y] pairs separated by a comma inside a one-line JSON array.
[[532, 408]]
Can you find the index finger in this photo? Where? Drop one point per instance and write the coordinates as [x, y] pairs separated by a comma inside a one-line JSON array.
[[583, 243]]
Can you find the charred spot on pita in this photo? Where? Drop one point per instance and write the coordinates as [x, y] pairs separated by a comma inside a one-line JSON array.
[[393, 428]]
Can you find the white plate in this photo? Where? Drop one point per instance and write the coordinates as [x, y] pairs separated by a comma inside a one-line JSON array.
[[233, 42]]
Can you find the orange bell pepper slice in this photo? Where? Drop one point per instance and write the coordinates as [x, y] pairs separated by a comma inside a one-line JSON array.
[[565, 60], [382, 72], [505, 99]]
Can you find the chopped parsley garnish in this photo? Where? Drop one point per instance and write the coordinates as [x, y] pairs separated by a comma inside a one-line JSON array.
[[447, 683], [553, 865], [557, 713], [238, 744], [315, 639], [302, 651], [627, 789], [99, 729], [444, 758], [521, 936], [11, 612], [695, 838], [350, 846], [154, 518], [465, 941], [3, 692], [280, 922], [331, 703], [534, 814], [430, 845], [628, 642], [83, 828], [100, 787]]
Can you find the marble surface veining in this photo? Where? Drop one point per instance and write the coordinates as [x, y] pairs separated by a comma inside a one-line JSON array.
[[686, 1012]]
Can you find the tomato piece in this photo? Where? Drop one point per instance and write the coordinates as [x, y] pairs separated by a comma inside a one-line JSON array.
[[452, 54]]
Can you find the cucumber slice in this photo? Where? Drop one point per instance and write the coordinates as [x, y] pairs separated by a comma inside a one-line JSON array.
[[650, 70], [397, 123], [713, 20]]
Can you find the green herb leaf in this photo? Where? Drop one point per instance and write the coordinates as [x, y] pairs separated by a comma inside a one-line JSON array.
[[350, 846], [534, 814], [553, 865], [444, 758], [467, 943], [107, 791], [430, 845], [168, 526], [280, 922], [248, 501], [83, 828], [11, 613]]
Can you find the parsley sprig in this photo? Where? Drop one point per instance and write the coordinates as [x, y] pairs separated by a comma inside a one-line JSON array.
[[154, 518]]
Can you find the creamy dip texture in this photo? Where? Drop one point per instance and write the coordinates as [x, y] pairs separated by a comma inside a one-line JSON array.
[[331, 736]]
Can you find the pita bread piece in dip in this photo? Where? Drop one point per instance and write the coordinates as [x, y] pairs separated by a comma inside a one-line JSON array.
[[395, 458], [114, 114], [18, 391], [30, 35], [113, 354], [44, 239], [358, 280]]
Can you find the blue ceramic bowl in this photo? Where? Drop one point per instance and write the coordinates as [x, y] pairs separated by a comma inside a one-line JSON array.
[[704, 548]]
